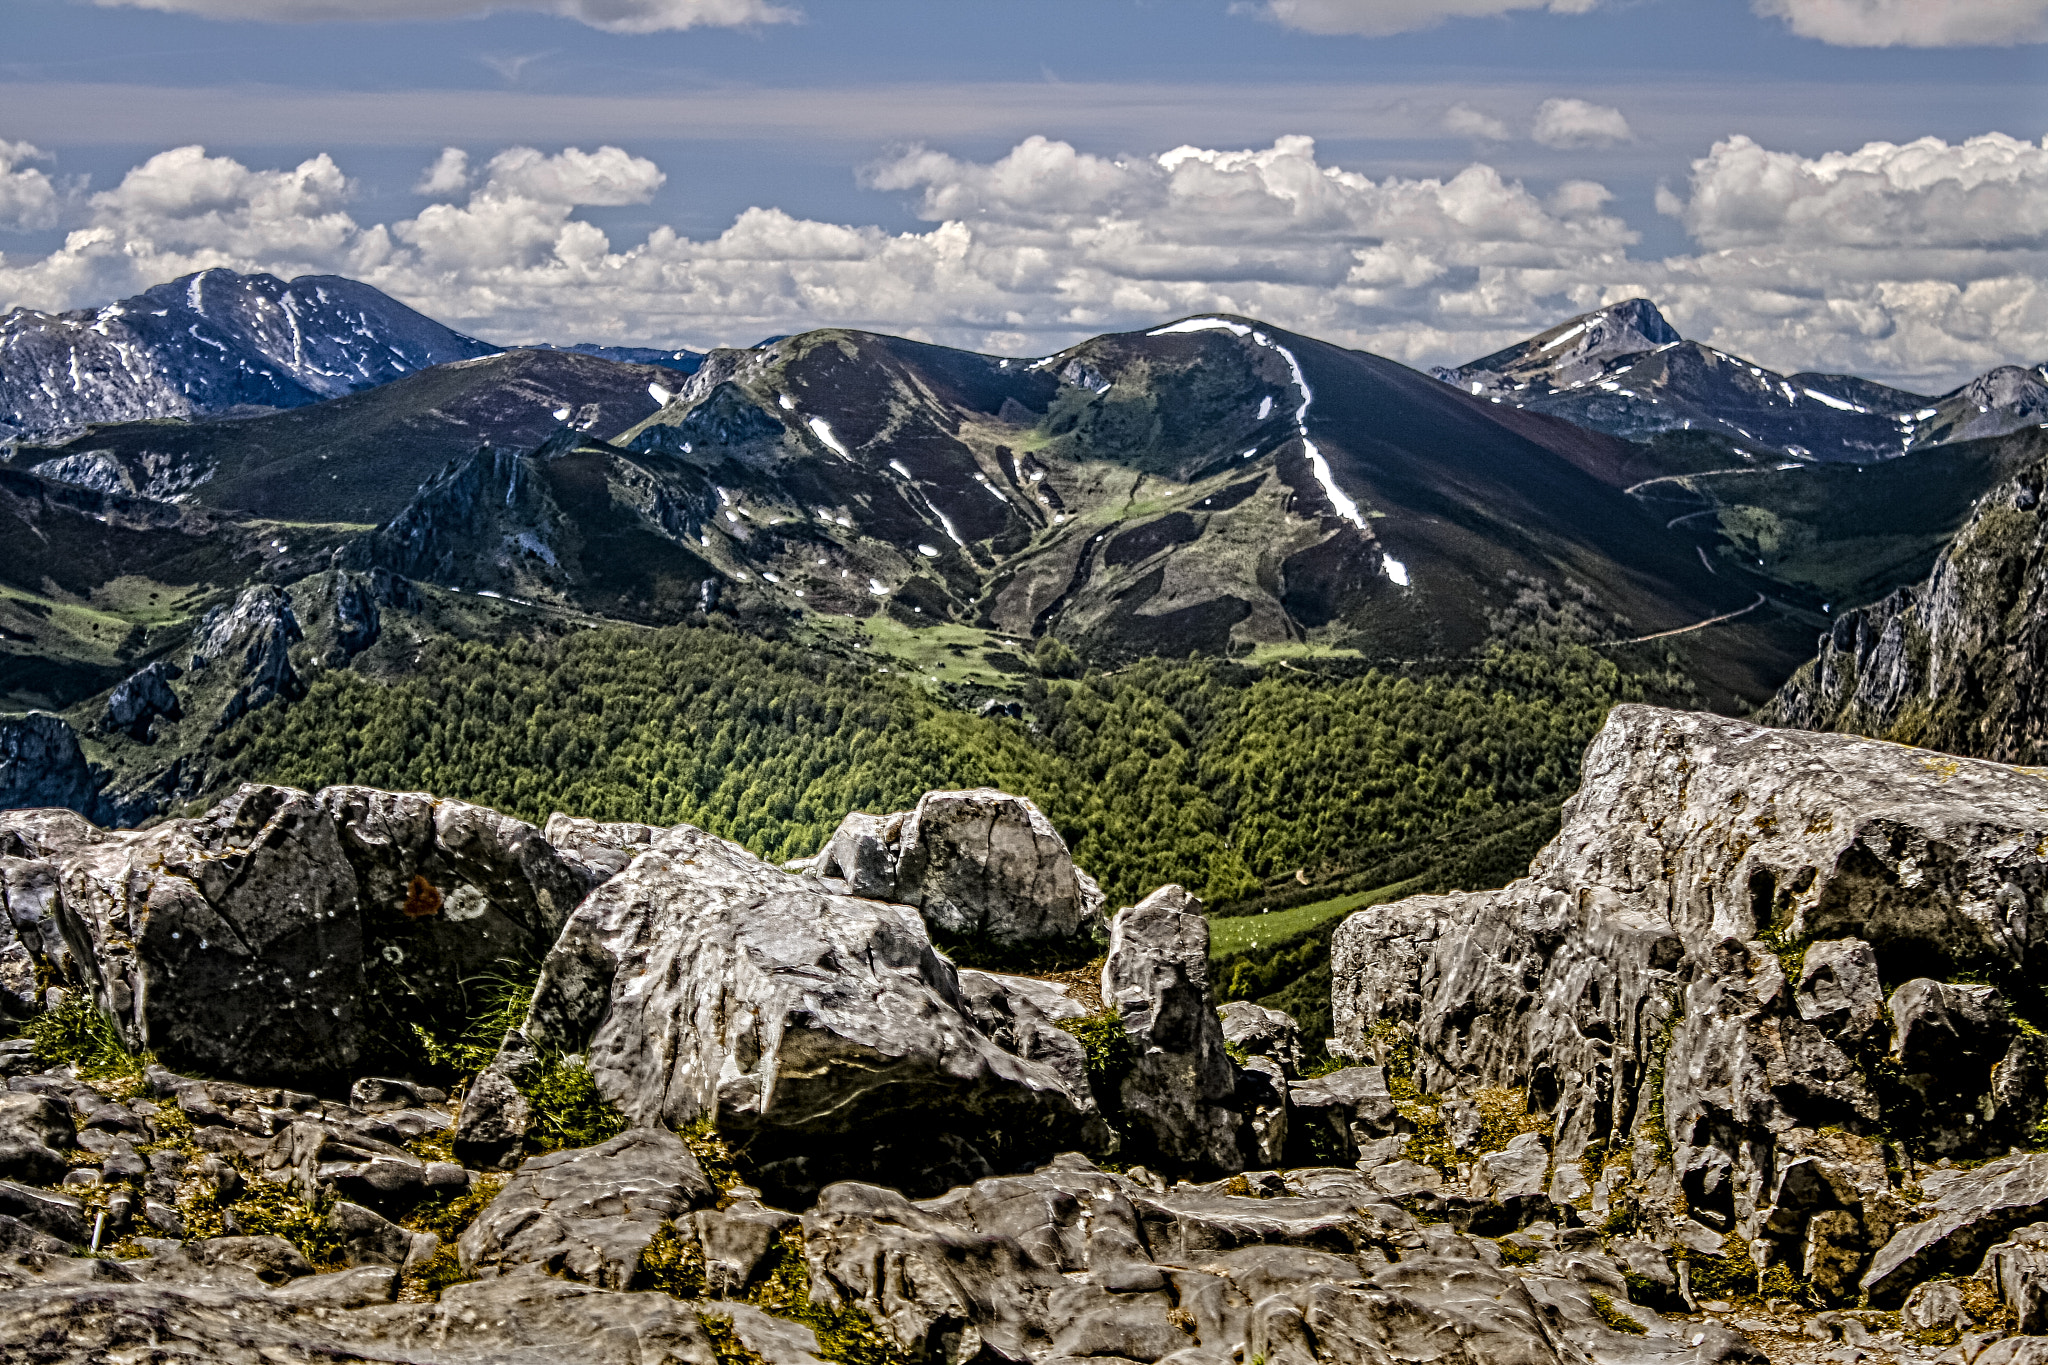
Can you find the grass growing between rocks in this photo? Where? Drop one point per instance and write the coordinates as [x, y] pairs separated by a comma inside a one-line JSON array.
[[845, 1332], [1616, 1320], [673, 1263], [76, 1034], [565, 1108], [503, 1000], [725, 1341], [446, 1216]]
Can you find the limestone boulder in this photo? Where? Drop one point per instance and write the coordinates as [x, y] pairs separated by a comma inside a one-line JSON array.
[[448, 893], [1973, 1212], [1180, 1096], [1262, 1032], [820, 1031], [983, 867], [1074, 1263], [35, 1133]]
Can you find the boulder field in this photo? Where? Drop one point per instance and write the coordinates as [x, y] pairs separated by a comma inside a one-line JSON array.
[[1746, 1067]]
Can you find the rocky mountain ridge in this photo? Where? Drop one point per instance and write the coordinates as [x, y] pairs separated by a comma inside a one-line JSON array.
[[1598, 1114], [210, 343], [1623, 369], [1952, 663]]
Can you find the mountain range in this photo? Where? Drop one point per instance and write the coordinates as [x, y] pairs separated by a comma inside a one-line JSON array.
[[1215, 485], [1624, 370], [210, 343]]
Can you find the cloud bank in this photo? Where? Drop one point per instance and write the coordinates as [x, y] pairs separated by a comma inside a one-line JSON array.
[[1919, 263], [1914, 23], [614, 16]]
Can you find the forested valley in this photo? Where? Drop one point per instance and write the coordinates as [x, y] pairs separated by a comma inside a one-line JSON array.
[[1261, 789]]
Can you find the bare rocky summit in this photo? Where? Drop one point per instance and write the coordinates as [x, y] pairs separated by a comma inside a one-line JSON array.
[[1744, 1068]]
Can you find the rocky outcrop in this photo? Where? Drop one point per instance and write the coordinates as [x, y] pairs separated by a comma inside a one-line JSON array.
[[819, 1031], [1180, 1095], [140, 698], [271, 936], [588, 1213], [1073, 1262], [243, 651], [1687, 983], [41, 764], [1957, 662], [1260, 1032], [982, 866]]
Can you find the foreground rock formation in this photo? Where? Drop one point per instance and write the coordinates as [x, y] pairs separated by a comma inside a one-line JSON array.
[[1752, 1043], [1760, 983]]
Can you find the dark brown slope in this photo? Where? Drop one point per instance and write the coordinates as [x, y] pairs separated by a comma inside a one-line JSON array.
[[360, 458]]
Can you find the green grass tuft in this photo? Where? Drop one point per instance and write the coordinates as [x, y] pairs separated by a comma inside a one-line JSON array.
[[1615, 1319]]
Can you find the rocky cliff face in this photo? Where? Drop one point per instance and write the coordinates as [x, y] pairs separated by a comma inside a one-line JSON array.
[[1758, 984], [1956, 662], [207, 343]]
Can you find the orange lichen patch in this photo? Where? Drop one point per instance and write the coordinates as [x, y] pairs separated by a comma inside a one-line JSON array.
[[421, 899]]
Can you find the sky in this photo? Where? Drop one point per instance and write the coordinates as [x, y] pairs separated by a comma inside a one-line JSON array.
[[1854, 186]]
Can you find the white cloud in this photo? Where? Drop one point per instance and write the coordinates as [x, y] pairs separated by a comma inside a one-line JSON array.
[[1578, 123], [1466, 121], [1377, 18], [1923, 260], [27, 198], [1914, 23], [1916, 262], [448, 175], [614, 16]]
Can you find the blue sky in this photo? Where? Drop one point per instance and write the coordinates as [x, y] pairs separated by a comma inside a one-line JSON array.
[[1878, 264]]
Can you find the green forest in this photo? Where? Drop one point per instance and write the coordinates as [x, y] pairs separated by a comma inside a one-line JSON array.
[[1252, 787]]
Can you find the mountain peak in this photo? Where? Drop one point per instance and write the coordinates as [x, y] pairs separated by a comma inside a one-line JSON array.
[[209, 342]]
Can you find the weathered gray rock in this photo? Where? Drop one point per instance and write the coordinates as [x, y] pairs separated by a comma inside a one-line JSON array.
[[820, 1031], [1070, 1263], [45, 832], [1261, 1032], [35, 1132], [447, 892], [41, 765], [2018, 1272], [244, 651], [141, 697], [229, 944], [104, 1311], [1974, 1211], [369, 1238], [1337, 1114], [1642, 968], [737, 1241], [588, 1212], [603, 846], [983, 866], [1181, 1093], [268, 938]]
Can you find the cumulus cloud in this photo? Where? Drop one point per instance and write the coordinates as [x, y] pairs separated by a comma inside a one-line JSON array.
[[27, 198], [614, 16], [1377, 18], [1917, 263], [1578, 123], [448, 175], [1924, 259], [1466, 121], [1914, 23]]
